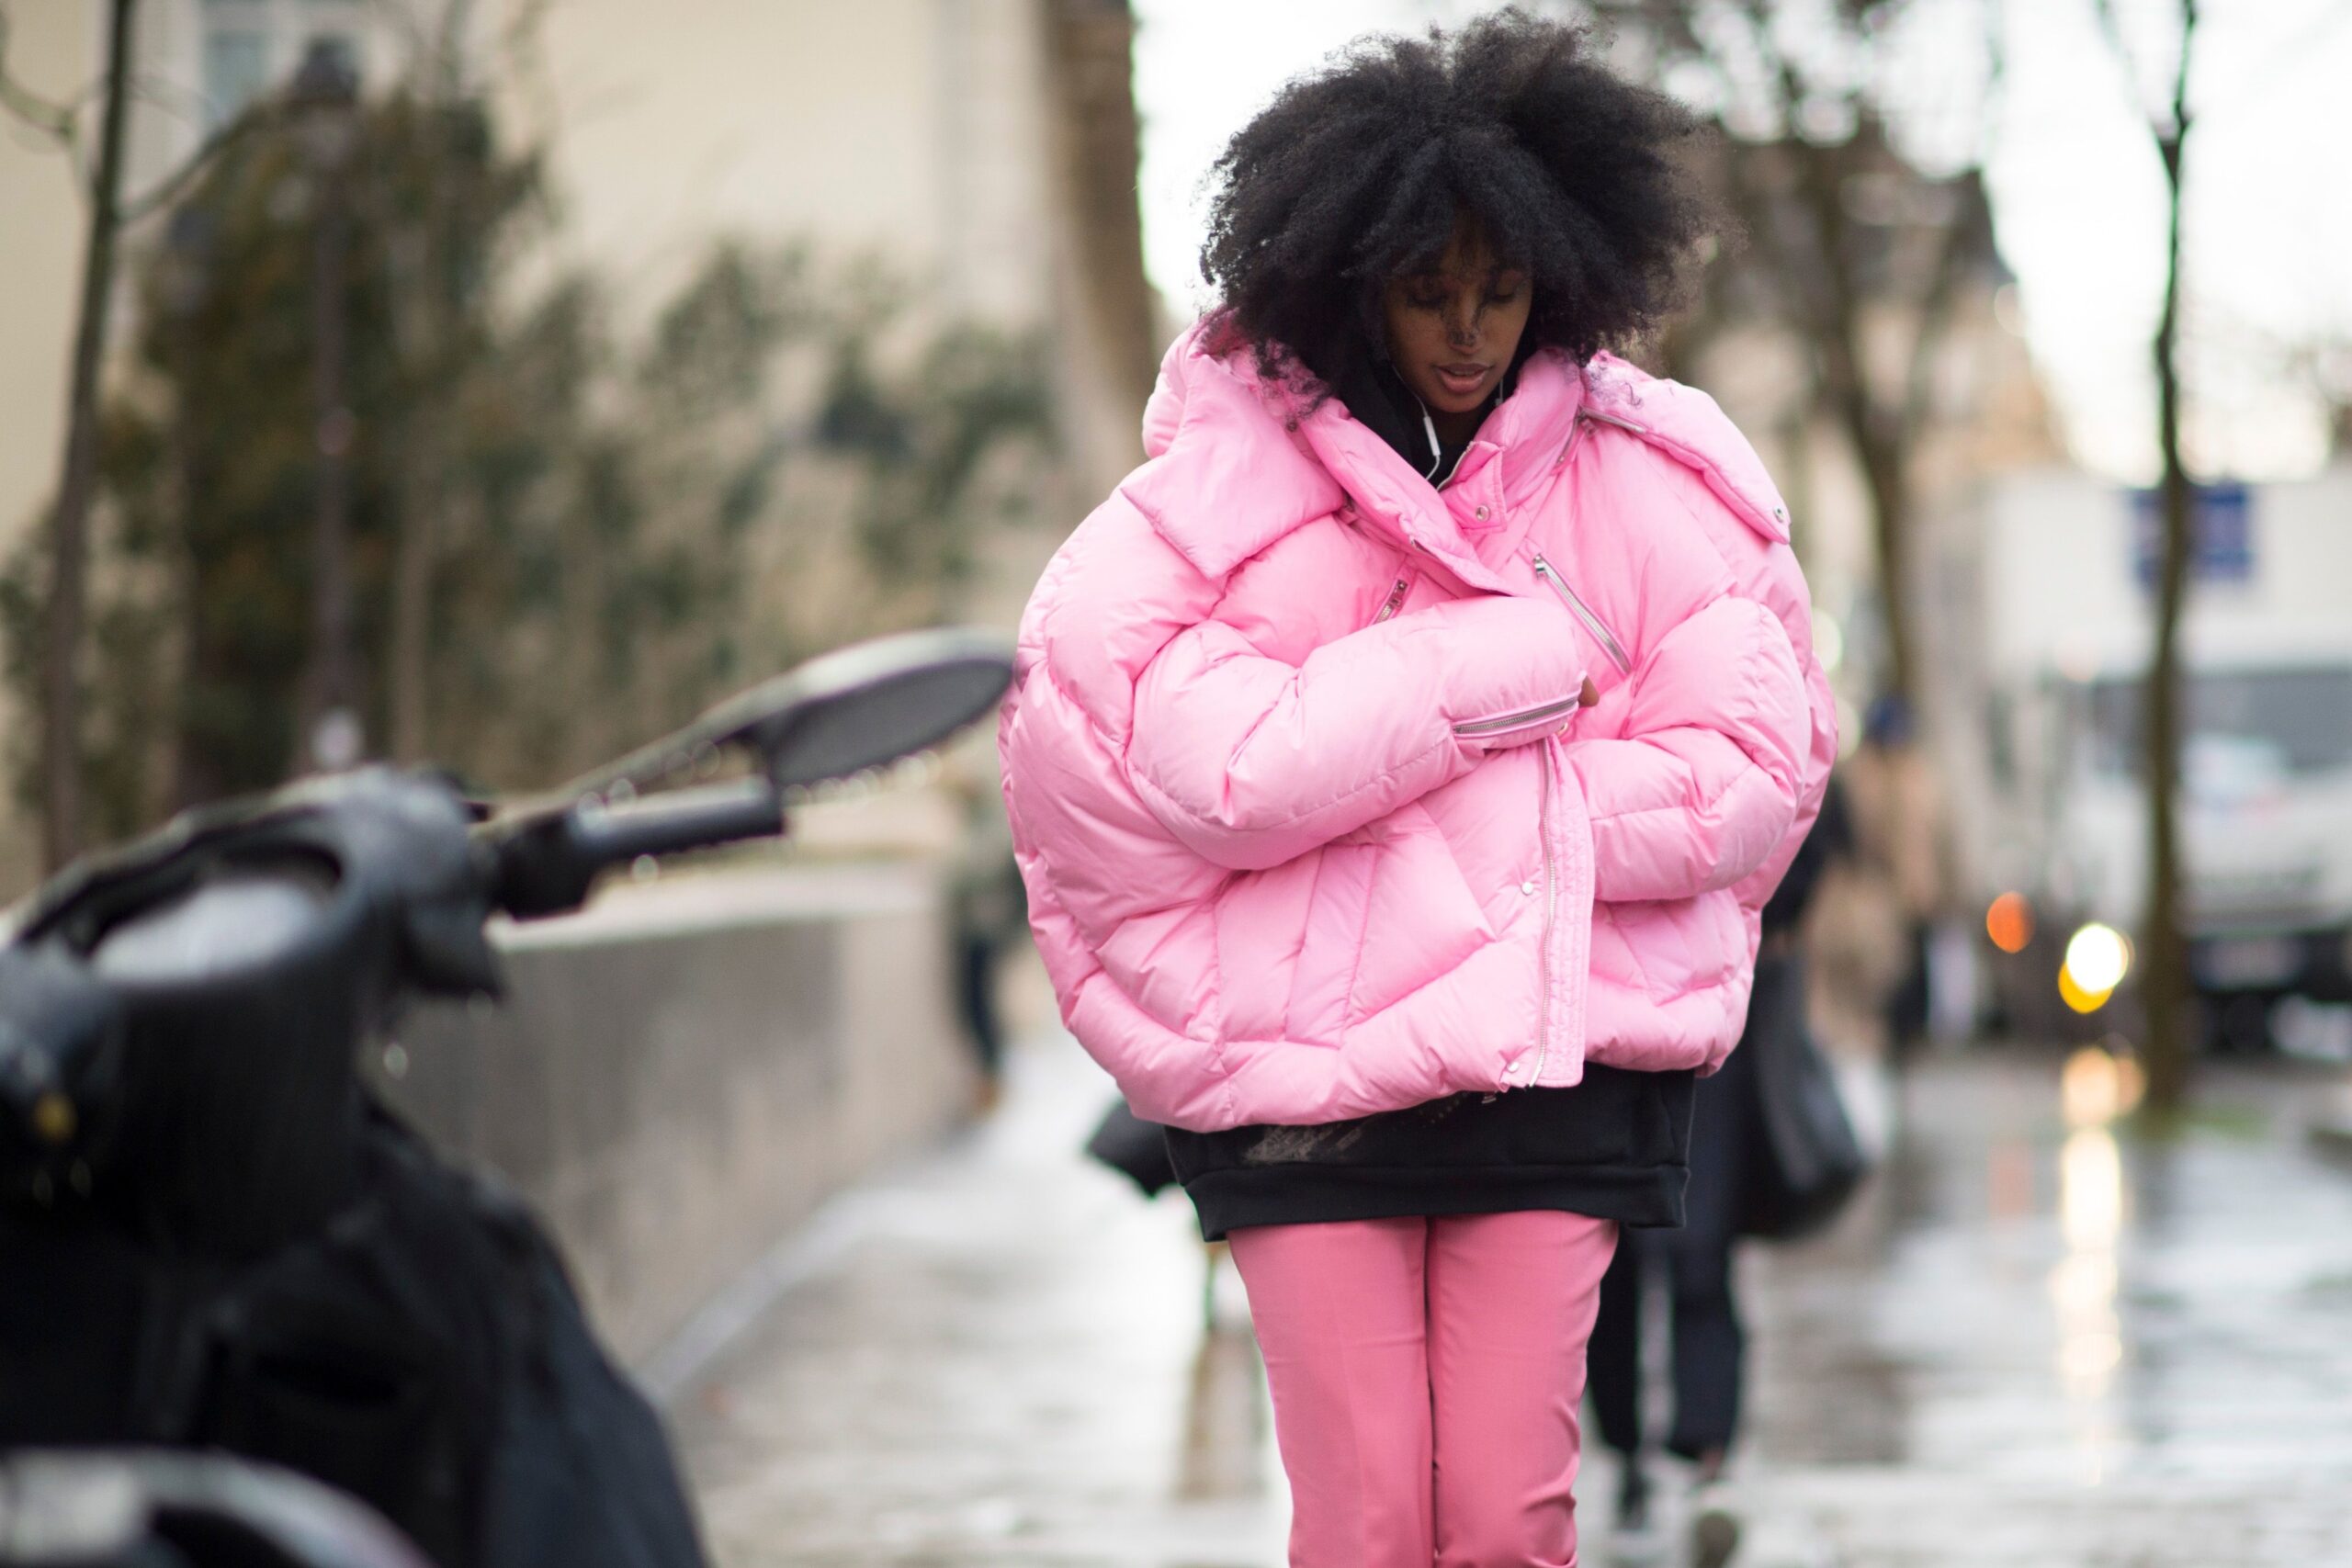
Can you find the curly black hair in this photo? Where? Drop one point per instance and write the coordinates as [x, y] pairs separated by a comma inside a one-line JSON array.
[[1360, 172]]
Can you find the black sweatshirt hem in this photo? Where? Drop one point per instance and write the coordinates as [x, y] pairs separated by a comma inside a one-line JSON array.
[[1229, 1199]]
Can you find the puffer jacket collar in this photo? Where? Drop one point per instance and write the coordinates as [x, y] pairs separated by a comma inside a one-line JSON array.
[[1510, 464], [1237, 461]]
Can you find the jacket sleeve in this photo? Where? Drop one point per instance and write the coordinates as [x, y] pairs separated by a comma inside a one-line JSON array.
[[1250, 761], [1711, 770]]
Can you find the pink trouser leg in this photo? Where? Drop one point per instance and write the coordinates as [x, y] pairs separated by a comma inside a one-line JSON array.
[[1425, 1376], [1340, 1314], [1511, 1304]]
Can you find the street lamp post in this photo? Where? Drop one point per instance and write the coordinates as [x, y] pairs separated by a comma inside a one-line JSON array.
[[324, 98]]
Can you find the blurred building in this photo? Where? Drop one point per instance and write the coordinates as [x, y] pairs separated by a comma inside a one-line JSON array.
[[2049, 620], [983, 149]]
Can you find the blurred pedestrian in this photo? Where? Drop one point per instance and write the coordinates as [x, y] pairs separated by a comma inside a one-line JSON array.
[[989, 914], [1694, 1264], [1401, 755], [1901, 836]]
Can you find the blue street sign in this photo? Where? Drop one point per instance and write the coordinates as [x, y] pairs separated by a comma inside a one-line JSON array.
[[2221, 534]]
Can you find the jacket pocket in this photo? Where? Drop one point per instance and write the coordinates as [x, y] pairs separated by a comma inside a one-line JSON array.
[[1499, 725]]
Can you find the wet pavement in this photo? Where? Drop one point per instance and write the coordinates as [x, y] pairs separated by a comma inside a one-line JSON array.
[[2042, 1340], [2036, 1342]]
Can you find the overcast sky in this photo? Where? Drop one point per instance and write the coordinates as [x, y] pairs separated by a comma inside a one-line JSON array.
[[2077, 191]]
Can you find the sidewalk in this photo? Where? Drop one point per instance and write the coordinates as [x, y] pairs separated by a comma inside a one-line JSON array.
[[2032, 1347], [993, 1357]]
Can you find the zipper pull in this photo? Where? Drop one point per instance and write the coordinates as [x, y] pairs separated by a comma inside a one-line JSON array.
[[1394, 600], [1602, 633], [1568, 447]]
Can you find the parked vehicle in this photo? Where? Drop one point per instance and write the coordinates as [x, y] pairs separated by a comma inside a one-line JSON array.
[[213, 1237], [2054, 581]]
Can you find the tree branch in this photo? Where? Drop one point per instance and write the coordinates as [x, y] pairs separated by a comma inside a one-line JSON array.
[[2180, 119], [172, 186], [2112, 23], [53, 120], [1967, 237]]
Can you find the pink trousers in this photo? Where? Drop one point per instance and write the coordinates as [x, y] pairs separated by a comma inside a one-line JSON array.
[[1426, 1374]]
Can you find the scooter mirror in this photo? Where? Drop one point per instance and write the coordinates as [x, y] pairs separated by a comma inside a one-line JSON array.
[[860, 707], [871, 705]]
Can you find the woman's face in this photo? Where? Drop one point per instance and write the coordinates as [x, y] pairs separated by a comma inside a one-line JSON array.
[[1454, 329]]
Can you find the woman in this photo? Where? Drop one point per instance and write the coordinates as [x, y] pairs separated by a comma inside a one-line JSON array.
[[1398, 760]]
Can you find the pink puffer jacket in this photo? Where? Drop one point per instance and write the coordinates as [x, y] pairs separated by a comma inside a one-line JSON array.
[[1311, 822]]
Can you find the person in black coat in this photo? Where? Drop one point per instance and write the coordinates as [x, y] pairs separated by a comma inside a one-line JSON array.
[[1695, 1261]]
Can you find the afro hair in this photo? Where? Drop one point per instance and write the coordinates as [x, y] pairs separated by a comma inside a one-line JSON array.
[[1361, 171]]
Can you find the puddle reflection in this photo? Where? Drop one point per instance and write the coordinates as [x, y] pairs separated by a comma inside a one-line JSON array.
[[2083, 1284], [2095, 1088]]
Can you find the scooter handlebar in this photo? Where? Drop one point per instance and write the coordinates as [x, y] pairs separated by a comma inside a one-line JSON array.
[[546, 863]]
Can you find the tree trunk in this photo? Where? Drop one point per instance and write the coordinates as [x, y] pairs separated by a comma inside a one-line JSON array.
[[78, 474], [426, 330], [1092, 46], [1884, 461], [195, 776], [330, 689], [2164, 980], [413, 563], [424, 486], [1881, 445]]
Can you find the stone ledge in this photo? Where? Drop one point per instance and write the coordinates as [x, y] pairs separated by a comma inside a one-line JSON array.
[[682, 1072]]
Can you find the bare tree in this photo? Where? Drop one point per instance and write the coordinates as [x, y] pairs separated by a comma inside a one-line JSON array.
[[109, 213], [2164, 940], [1846, 237], [78, 467]]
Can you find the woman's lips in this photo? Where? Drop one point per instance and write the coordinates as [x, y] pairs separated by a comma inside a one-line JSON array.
[[1461, 379]]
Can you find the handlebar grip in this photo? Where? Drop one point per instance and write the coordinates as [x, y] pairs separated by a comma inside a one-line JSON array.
[[547, 865], [665, 825]]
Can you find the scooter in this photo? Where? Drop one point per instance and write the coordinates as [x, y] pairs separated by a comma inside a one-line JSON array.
[[109, 1508], [215, 1239]]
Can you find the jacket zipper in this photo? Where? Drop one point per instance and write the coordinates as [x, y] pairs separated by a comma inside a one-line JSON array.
[[1396, 600], [1592, 623], [1522, 720], [1551, 910]]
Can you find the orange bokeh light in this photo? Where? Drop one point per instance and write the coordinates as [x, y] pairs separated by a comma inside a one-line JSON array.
[[2009, 922]]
